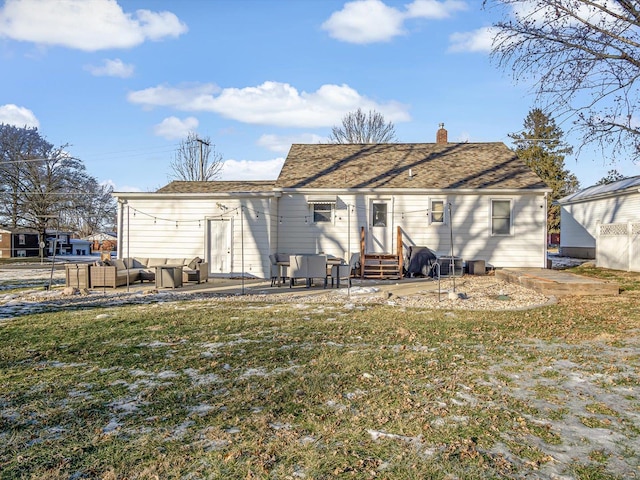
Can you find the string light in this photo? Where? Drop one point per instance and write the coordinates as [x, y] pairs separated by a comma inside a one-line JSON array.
[[227, 212]]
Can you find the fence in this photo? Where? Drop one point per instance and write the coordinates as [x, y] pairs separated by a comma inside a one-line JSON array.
[[618, 246]]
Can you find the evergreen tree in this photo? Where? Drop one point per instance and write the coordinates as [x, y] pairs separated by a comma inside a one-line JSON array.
[[541, 147], [612, 176]]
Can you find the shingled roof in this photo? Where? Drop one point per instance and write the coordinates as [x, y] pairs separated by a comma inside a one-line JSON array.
[[218, 187], [432, 166]]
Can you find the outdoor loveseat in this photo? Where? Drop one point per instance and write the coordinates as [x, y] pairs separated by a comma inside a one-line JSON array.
[[114, 273]]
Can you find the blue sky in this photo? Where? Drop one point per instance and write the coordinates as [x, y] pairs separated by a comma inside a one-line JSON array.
[[123, 82]]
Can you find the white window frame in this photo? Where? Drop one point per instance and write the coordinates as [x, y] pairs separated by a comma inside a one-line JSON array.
[[492, 217], [431, 211], [331, 211], [22, 239]]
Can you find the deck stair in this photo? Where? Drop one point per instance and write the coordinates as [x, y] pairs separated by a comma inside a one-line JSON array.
[[381, 266]]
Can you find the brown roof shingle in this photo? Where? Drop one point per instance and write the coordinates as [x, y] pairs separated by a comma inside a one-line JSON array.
[[218, 187], [433, 166]]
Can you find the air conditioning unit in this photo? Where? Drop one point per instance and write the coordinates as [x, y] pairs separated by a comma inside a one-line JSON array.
[[449, 268]]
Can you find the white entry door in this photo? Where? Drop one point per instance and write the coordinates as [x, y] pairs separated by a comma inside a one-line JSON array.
[[219, 246], [379, 240]]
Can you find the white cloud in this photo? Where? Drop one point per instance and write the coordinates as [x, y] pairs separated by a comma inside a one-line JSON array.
[[87, 25], [281, 144], [271, 103], [185, 97], [476, 41], [111, 68], [365, 21], [173, 128], [433, 9], [251, 170], [370, 21], [11, 114]]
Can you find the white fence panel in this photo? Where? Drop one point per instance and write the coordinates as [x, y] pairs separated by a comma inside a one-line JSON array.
[[618, 246]]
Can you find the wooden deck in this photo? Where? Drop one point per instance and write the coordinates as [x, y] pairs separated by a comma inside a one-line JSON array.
[[557, 282]]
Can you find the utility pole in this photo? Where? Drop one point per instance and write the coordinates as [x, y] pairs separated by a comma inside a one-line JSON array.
[[201, 158]]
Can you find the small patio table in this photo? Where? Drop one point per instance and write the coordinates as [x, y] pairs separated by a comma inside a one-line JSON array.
[[168, 276]]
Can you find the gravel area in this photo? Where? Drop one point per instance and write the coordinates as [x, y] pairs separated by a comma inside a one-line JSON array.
[[469, 293]]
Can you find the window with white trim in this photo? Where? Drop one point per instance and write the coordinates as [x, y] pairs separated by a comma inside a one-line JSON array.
[[436, 214], [500, 217], [322, 212], [21, 239]]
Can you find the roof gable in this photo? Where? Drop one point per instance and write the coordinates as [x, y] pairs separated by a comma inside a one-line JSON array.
[[406, 166]]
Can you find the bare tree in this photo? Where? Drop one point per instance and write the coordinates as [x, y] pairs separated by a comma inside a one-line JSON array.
[[196, 160], [43, 187], [584, 59], [358, 127]]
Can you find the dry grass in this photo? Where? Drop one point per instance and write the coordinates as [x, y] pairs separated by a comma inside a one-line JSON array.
[[239, 390]]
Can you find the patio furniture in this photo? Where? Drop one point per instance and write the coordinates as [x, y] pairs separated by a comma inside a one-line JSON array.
[[317, 268], [77, 275], [297, 268], [118, 272], [168, 276], [340, 272]]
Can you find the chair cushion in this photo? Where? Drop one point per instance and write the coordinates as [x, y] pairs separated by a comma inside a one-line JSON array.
[[193, 263], [120, 265], [156, 262]]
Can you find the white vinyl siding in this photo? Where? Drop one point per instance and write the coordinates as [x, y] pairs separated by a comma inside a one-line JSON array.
[[579, 221], [525, 247], [176, 228]]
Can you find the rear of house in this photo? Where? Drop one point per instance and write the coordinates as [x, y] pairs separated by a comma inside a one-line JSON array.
[[476, 201]]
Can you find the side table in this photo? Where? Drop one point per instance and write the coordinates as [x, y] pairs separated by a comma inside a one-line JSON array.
[[169, 276]]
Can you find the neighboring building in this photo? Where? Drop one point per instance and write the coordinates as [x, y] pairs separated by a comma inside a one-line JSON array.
[[80, 246], [19, 242], [333, 198], [106, 241], [582, 212], [58, 242]]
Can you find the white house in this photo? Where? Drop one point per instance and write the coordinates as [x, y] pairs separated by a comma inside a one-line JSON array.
[[582, 213], [477, 200]]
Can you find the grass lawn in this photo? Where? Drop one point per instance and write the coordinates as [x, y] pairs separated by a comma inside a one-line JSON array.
[[208, 389]]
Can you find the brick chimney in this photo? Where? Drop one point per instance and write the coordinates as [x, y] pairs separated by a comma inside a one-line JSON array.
[[441, 135]]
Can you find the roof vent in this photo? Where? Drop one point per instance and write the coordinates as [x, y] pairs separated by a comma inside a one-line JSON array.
[[441, 135]]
